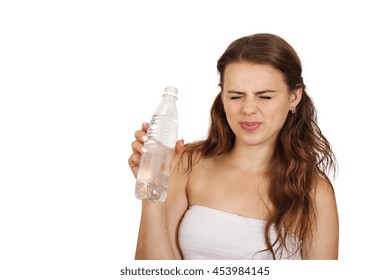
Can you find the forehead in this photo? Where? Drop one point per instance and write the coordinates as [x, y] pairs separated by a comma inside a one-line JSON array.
[[248, 75]]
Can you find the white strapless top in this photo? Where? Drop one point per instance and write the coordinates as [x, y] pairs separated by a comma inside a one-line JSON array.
[[210, 234]]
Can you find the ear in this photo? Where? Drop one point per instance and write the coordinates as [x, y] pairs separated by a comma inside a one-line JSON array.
[[295, 97]]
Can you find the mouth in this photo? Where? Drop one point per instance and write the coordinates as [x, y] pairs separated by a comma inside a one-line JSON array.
[[250, 126]]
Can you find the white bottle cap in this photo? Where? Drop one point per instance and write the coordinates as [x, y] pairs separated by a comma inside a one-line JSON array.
[[171, 91]]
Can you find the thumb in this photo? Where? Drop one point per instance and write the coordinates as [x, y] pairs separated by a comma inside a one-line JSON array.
[[179, 148]]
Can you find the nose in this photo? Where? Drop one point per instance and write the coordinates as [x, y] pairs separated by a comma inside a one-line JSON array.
[[249, 107]]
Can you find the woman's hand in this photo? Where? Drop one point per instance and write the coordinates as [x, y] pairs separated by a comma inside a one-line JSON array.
[[138, 147]]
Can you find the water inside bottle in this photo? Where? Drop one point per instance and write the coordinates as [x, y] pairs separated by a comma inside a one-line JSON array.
[[164, 128], [152, 191], [153, 174]]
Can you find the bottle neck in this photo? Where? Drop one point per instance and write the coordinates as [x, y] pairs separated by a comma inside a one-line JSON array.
[[170, 97]]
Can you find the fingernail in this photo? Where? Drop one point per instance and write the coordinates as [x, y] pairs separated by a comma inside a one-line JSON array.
[[144, 138], [144, 150]]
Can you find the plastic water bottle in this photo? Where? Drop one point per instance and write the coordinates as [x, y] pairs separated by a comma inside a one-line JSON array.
[[156, 162]]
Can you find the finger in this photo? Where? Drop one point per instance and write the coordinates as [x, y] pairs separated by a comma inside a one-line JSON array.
[[138, 148], [134, 162], [140, 136], [145, 127]]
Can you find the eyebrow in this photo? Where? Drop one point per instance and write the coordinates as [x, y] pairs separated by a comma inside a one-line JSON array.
[[258, 92]]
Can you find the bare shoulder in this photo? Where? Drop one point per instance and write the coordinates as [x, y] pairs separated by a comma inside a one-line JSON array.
[[324, 194], [188, 159], [325, 232], [181, 172]]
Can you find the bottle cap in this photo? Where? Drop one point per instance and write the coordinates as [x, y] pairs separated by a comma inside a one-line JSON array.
[[171, 91]]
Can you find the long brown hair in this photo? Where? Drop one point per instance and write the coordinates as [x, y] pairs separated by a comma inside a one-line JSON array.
[[301, 151]]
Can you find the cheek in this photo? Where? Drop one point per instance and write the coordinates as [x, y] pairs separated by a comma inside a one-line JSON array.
[[229, 115], [231, 109], [232, 115], [277, 113]]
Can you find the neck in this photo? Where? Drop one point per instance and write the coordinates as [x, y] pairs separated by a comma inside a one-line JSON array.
[[255, 158]]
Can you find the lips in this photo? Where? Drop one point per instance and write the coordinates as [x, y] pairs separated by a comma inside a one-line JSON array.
[[250, 126]]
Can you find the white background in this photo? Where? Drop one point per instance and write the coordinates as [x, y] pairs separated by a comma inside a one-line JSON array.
[[77, 78]]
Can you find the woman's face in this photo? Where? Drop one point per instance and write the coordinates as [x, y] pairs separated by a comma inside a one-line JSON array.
[[256, 101]]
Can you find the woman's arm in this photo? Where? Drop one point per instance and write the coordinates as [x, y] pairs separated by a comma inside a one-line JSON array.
[[177, 204], [157, 237], [158, 234], [153, 238], [324, 243]]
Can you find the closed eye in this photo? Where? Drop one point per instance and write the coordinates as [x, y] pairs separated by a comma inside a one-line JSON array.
[[265, 97]]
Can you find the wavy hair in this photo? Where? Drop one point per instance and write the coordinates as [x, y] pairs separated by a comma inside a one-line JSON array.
[[301, 152]]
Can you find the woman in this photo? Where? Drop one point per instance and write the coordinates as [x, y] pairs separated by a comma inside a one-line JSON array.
[[258, 186]]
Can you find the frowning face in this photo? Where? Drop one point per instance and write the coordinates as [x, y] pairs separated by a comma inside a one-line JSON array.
[[257, 102]]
